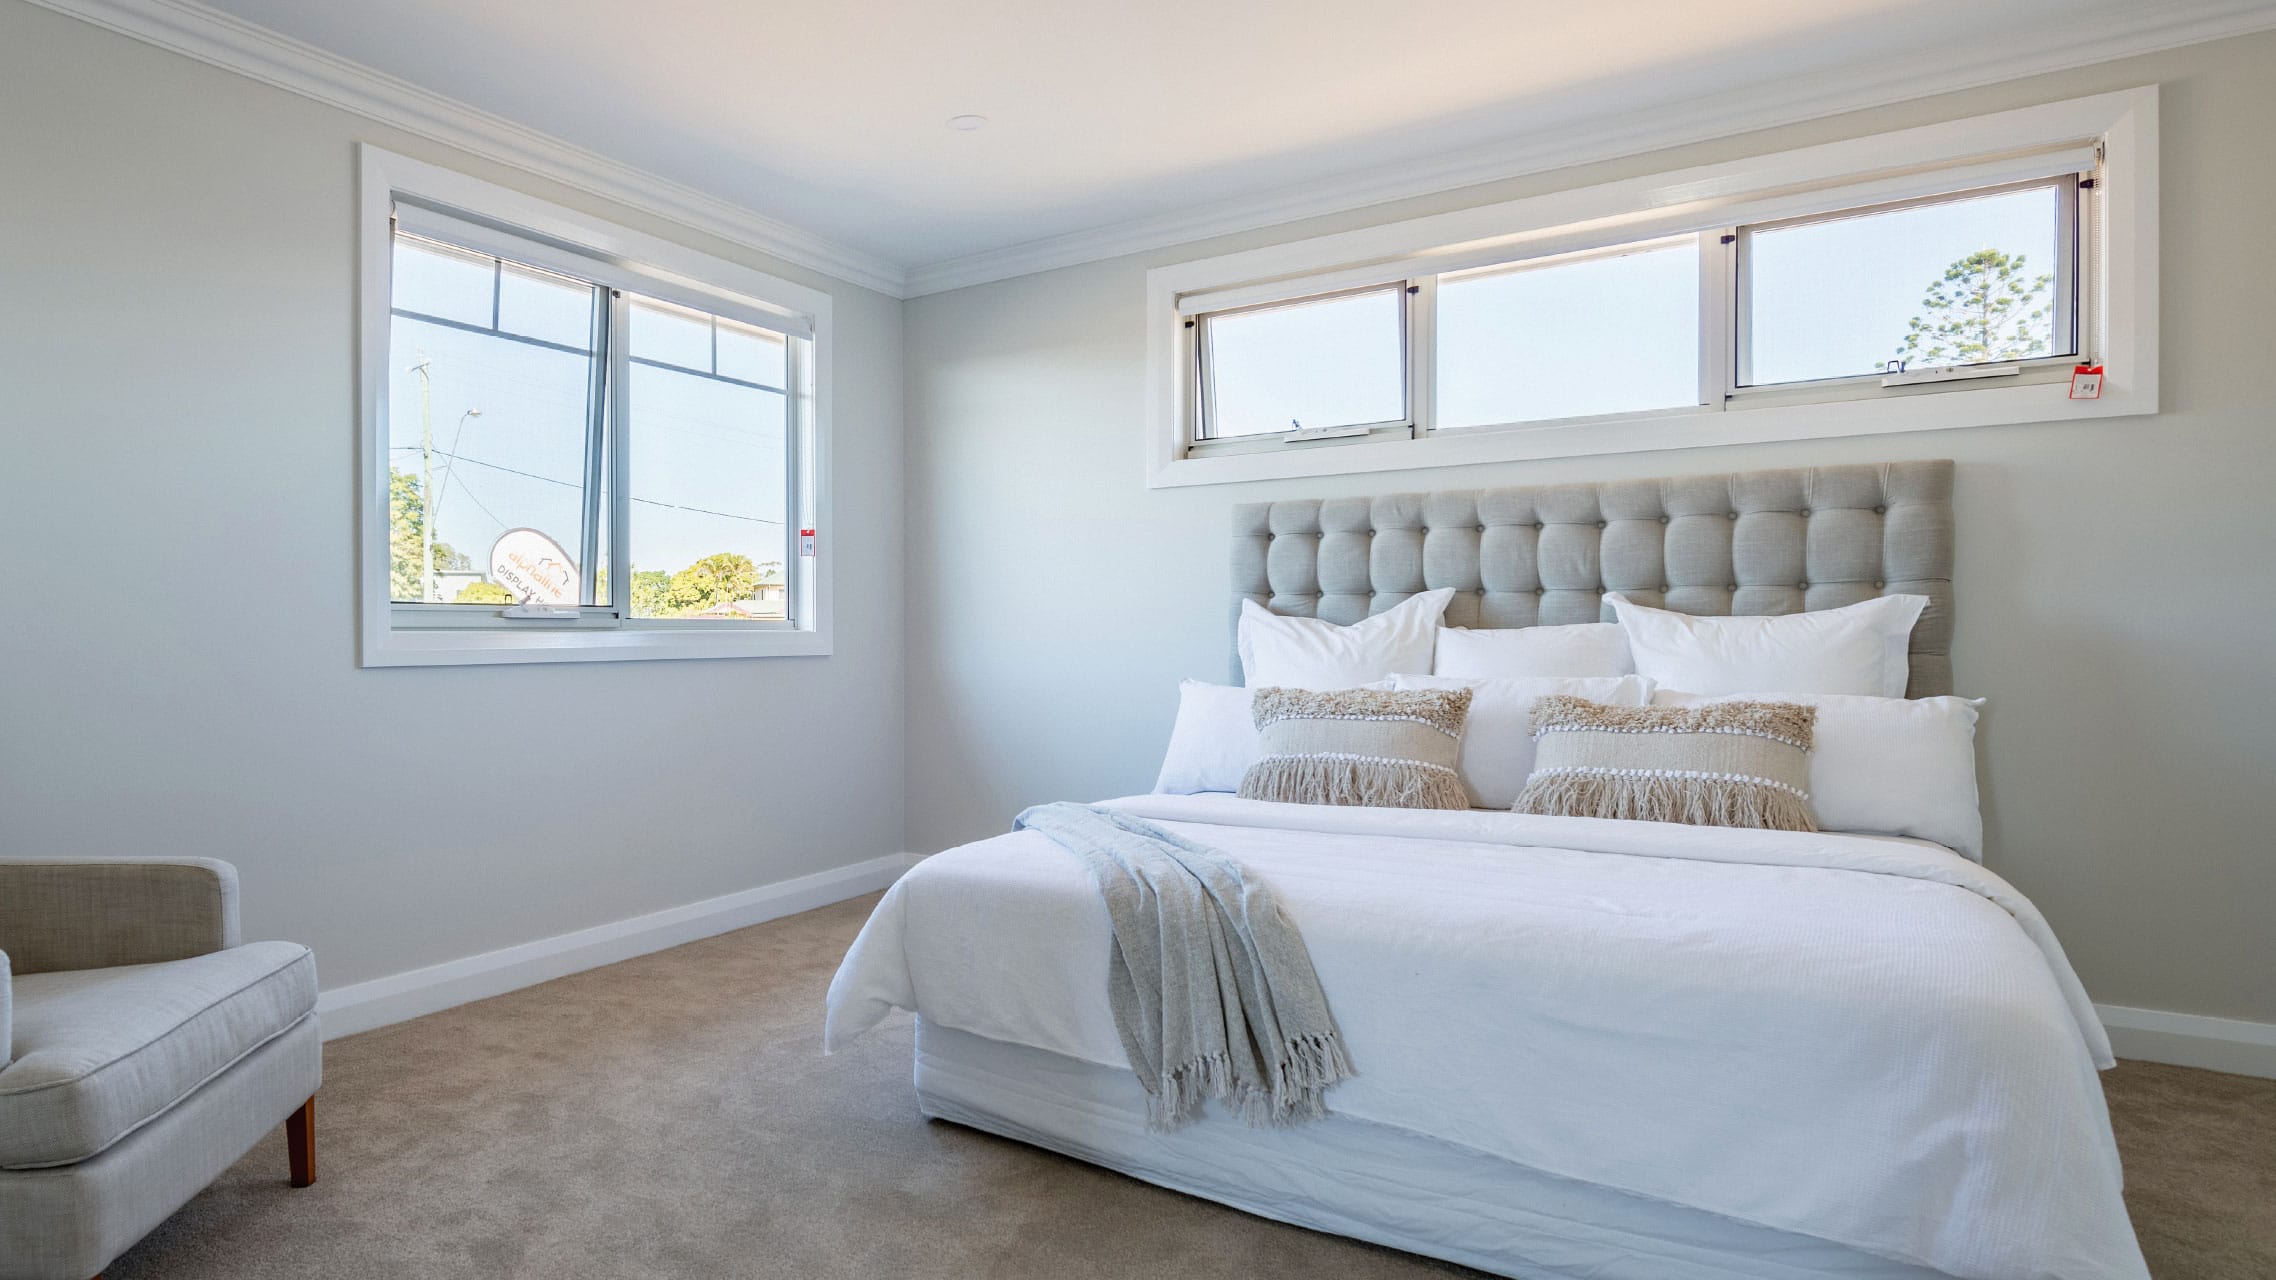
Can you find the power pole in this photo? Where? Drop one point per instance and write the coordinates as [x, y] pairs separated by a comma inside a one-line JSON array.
[[426, 481]]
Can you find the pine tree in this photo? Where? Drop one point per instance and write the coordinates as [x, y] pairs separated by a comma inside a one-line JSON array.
[[1983, 310]]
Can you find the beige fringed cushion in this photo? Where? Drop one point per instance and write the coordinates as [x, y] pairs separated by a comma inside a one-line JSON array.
[[1725, 764], [1359, 746]]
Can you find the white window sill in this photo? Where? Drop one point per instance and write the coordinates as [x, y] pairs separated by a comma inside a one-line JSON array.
[[1931, 410], [403, 647]]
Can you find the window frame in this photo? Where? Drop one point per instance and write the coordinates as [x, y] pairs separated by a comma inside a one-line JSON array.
[[2073, 275], [2114, 255], [1205, 352], [486, 218]]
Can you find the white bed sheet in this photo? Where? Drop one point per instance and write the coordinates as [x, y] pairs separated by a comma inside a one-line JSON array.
[[1867, 1040]]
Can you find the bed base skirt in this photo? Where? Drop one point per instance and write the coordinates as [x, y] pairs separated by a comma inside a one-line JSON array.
[[1370, 1182]]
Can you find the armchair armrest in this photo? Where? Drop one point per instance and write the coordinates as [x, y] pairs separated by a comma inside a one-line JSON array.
[[7, 1010], [95, 913]]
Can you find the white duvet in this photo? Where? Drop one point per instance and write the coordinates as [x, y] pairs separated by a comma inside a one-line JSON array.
[[1865, 1039]]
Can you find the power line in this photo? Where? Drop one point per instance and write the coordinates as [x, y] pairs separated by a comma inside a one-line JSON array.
[[573, 484], [468, 490]]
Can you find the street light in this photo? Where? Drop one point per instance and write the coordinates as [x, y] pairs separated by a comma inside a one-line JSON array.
[[426, 479], [427, 491]]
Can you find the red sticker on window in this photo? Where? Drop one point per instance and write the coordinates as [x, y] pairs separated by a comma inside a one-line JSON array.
[[2086, 382]]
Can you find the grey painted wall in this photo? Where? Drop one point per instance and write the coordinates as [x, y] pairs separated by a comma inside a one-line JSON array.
[[177, 665], [2116, 600], [176, 500]]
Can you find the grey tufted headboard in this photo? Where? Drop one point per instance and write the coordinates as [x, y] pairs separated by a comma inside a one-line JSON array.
[[1752, 542]]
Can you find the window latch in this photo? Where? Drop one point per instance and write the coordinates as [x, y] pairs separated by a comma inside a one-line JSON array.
[[1301, 434], [1903, 377], [531, 609]]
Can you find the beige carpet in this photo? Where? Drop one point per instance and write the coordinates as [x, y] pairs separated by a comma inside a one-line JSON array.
[[672, 1116]]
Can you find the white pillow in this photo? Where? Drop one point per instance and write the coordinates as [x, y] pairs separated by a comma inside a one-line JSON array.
[[1859, 649], [1213, 743], [1889, 766], [1214, 740], [1580, 649], [1306, 653], [1497, 740]]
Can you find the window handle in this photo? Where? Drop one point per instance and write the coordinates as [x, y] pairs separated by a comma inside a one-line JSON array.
[[1302, 434]]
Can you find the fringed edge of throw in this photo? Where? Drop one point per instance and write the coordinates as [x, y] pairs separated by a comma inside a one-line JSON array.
[[1323, 779], [1298, 1092], [1647, 797]]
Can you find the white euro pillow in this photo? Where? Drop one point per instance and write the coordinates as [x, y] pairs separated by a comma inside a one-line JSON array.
[[1887, 766], [1579, 649], [1306, 653], [1858, 649], [1497, 740], [1213, 742]]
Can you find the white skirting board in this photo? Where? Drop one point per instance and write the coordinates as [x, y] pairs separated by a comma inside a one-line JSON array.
[[343, 1011], [2191, 1040]]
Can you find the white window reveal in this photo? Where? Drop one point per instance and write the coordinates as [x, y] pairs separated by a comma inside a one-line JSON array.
[[1953, 275], [582, 443]]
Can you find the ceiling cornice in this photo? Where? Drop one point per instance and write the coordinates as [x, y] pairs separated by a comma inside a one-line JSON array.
[[208, 35], [1760, 106], [231, 43]]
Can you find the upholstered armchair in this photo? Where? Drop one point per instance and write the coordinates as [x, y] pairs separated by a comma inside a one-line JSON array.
[[143, 1049]]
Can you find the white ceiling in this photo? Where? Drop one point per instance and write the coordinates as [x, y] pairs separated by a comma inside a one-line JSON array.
[[832, 116]]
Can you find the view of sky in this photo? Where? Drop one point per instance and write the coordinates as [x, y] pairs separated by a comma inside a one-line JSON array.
[[706, 454], [1336, 362], [1615, 334], [1595, 335], [1832, 298]]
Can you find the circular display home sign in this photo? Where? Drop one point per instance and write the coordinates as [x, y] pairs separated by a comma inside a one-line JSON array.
[[533, 567]]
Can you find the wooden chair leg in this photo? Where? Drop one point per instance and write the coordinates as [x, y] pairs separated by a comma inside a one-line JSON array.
[[300, 1139]]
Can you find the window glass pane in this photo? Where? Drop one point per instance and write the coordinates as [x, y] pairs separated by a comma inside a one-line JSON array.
[[485, 435], [538, 304], [437, 280], [1613, 334], [671, 335], [753, 355], [1336, 362], [1969, 281], [707, 462]]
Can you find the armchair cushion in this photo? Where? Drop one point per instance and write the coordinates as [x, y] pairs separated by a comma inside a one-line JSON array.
[[97, 913], [101, 1052]]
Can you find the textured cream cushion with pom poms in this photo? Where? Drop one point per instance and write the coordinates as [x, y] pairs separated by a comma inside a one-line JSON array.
[[1724, 764]]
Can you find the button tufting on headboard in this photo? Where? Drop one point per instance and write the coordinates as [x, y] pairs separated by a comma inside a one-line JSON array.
[[1750, 542]]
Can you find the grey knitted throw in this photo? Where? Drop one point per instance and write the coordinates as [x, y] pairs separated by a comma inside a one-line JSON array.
[[1212, 990]]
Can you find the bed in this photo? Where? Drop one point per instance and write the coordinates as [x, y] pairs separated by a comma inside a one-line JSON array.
[[1584, 1048]]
